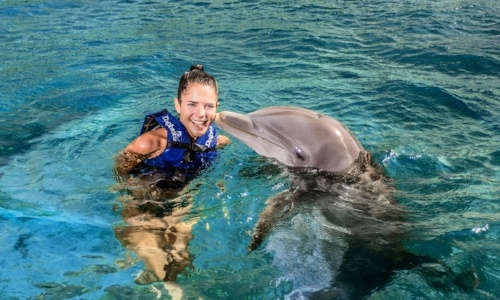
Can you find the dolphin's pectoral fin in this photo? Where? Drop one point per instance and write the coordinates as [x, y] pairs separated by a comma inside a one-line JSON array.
[[277, 207], [467, 280], [373, 267], [442, 277], [437, 274]]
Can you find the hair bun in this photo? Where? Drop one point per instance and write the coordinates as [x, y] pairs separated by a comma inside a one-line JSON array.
[[196, 67]]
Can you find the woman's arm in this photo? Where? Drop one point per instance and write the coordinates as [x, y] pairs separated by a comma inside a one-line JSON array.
[[147, 145], [126, 161]]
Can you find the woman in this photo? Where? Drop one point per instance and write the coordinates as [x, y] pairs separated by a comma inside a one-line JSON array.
[[168, 153], [187, 143]]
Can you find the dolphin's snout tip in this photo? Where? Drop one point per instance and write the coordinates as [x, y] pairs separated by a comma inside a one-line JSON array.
[[219, 117], [227, 116], [228, 119]]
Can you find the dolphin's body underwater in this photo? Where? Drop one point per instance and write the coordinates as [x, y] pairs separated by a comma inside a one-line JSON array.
[[339, 205]]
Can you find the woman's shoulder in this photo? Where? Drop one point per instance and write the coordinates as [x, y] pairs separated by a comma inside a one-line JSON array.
[[150, 143]]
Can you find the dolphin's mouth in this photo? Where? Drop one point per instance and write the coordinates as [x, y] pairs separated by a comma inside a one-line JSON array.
[[238, 124]]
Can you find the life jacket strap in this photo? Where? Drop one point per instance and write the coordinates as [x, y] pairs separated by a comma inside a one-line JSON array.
[[191, 149], [150, 121]]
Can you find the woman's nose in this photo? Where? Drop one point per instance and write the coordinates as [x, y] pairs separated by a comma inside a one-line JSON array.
[[200, 110]]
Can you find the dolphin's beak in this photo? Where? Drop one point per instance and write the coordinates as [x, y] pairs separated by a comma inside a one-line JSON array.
[[227, 119]]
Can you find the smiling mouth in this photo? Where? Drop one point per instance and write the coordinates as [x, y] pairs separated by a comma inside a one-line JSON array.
[[199, 123]]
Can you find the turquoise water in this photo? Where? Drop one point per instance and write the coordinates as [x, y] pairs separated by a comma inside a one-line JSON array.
[[418, 82]]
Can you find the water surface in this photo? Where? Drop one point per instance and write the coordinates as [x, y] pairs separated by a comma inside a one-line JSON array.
[[416, 81]]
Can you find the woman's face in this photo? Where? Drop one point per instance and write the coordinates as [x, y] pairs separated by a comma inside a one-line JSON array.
[[197, 108]]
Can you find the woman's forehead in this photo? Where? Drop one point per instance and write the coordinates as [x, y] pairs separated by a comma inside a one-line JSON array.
[[198, 92]]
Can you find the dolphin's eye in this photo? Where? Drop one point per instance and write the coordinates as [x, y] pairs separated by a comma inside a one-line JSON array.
[[299, 155]]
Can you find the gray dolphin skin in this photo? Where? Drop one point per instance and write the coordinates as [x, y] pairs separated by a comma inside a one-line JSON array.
[[337, 229], [295, 137]]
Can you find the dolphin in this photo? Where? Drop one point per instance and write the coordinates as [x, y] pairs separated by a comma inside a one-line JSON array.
[[336, 185]]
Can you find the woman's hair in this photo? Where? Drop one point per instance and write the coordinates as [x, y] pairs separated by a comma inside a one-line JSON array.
[[196, 75]]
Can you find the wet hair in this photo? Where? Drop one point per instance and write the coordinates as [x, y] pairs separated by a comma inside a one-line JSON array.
[[196, 74]]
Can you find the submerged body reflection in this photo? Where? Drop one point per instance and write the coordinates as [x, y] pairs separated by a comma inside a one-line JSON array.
[[158, 227]]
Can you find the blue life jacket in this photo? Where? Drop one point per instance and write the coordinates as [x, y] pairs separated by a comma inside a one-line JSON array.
[[180, 152]]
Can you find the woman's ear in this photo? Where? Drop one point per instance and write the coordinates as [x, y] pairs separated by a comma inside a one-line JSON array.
[[177, 104]]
